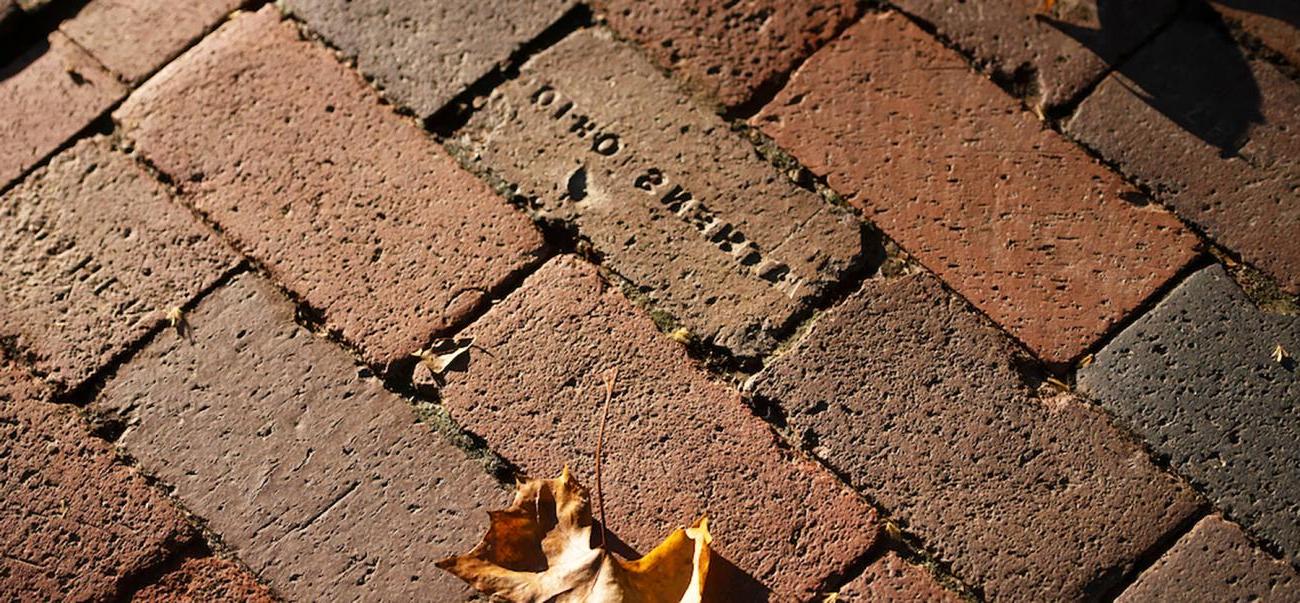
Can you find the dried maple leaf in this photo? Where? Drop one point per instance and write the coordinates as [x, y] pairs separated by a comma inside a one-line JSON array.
[[539, 549]]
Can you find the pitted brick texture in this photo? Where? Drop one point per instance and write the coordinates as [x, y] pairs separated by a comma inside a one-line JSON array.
[[204, 579], [351, 207], [1049, 56], [1197, 378], [893, 580], [1276, 23], [1018, 220], [96, 253], [1215, 134], [320, 480], [425, 52], [916, 399], [135, 37], [672, 200], [49, 94], [1215, 562], [729, 51], [75, 524], [678, 445]]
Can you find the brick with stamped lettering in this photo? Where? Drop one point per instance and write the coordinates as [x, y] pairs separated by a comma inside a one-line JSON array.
[[595, 137]]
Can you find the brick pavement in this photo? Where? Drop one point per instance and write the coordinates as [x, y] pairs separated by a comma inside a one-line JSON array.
[[850, 264]]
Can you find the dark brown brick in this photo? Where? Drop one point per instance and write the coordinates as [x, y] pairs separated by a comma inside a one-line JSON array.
[[317, 478], [50, 93], [135, 37], [423, 53], [893, 580], [1214, 133], [96, 253], [75, 524], [350, 206], [204, 579], [1198, 378], [679, 444], [1048, 56], [1018, 220], [729, 51], [1276, 23], [918, 401], [673, 201], [1215, 562]]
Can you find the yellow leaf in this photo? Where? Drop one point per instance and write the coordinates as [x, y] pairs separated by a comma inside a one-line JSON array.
[[1280, 355], [539, 549]]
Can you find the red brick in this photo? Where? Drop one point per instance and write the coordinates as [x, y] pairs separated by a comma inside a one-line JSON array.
[[75, 524], [350, 206], [316, 477], [50, 93], [1018, 220], [679, 444], [1215, 562], [204, 579], [1215, 134], [893, 580], [96, 253], [135, 37], [1050, 56], [705, 229], [918, 401], [423, 53], [1276, 23], [734, 50]]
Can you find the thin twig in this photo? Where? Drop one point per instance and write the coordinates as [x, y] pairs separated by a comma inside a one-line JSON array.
[[609, 376]]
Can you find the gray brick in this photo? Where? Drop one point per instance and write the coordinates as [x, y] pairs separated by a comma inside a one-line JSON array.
[[425, 52], [1196, 378], [674, 202], [317, 478], [917, 400]]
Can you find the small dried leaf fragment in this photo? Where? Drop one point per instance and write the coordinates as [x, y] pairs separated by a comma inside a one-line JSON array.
[[539, 549], [1280, 355], [442, 355]]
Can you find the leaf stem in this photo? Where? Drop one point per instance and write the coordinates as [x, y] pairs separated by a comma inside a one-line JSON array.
[[609, 376]]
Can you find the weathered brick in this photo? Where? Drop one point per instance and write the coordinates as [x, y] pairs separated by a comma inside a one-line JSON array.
[[1017, 219], [96, 253], [893, 580], [1215, 562], [679, 444], [135, 37], [1216, 135], [917, 400], [1196, 376], [350, 206], [75, 524], [49, 93], [327, 487], [1049, 56], [1276, 23], [204, 579], [673, 200], [730, 51], [425, 52]]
